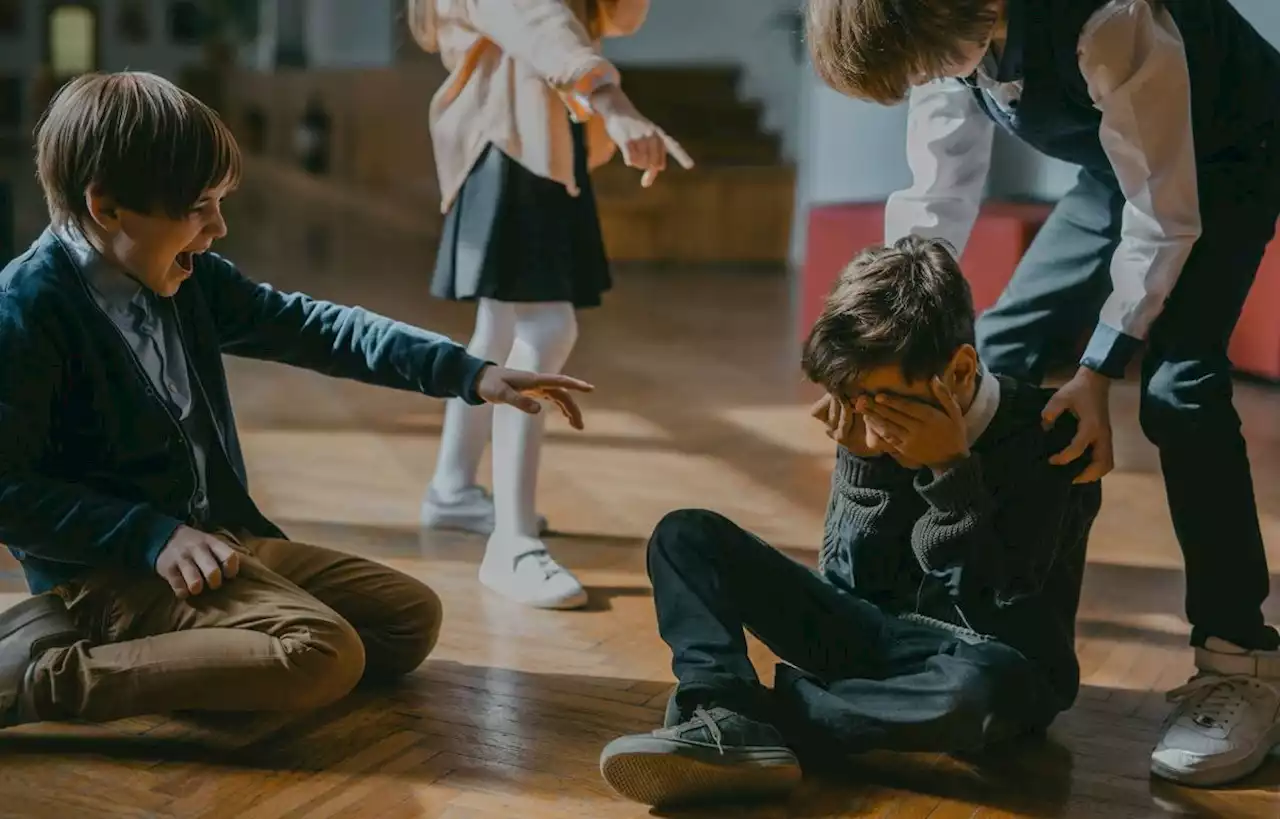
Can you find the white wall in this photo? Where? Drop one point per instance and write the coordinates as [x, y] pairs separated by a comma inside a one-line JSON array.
[[742, 32], [351, 33], [333, 33]]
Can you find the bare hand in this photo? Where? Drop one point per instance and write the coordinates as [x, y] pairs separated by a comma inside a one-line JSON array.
[[1087, 397], [919, 431], [521, 389], [843, 425], [193, 560], [643, 144]]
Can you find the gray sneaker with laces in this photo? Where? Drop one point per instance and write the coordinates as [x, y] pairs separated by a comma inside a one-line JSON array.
[[717, 755]]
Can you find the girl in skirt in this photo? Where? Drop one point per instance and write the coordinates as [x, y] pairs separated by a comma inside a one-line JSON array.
[[529, 108]]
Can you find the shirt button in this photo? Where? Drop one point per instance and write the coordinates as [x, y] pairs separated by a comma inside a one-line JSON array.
[[172, 386]]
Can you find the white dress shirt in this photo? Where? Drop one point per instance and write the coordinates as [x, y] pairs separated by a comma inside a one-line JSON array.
[[1132, 59]]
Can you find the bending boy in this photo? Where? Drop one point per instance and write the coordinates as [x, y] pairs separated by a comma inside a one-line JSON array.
[[1169, 108]]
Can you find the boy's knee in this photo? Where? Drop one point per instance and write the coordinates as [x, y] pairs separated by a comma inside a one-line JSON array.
[[971, 695], [1181, 398], [986, 706], [686, 527], [969, 710], [328, 659], [689, 538], [411, 639]]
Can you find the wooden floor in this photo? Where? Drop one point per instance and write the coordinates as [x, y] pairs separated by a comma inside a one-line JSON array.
[[700, 403]]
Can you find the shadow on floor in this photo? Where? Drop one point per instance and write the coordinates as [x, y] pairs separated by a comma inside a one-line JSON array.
[[482, 730]]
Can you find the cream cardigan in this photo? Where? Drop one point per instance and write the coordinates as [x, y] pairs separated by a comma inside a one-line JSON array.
[[514, 67]]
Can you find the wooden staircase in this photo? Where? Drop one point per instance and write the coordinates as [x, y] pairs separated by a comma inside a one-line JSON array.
[[701, 108], [735, 206]]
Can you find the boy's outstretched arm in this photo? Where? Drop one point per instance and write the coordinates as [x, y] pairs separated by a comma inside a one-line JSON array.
[[255, 320], [39, 514]]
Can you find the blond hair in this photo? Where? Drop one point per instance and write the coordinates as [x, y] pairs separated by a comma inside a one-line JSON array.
[[875, 49]]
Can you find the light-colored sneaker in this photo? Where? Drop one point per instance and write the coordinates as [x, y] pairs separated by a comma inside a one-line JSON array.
[[1226, 721], [525, 572], [471, 510]]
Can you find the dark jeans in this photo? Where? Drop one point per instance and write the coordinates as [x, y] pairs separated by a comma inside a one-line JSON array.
[[894, 684], [1186, 406]]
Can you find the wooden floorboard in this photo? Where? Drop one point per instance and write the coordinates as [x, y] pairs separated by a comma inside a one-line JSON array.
[[699, 403]]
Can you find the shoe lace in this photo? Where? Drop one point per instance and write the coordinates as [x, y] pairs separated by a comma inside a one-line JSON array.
[[701, 715], [1214, 699]]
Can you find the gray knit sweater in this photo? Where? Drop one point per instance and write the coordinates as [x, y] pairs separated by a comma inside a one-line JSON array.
[[995, 545]]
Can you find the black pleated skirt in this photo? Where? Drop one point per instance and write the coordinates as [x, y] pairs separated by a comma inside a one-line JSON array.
[[514, 236]]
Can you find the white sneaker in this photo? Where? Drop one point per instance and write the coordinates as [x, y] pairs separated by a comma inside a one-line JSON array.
[[1226, 722], [525, 572], [471, 510]]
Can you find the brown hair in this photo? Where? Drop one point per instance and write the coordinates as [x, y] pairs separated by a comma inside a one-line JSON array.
[[136, 137], [876, 49], [908, 305]]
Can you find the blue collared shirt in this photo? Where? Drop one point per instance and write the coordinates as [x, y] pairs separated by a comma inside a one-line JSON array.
[[149, 326]]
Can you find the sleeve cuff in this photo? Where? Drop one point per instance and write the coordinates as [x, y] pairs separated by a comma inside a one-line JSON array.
[[854, 470], [161, 532], [578, 97], [955, 490], [1110, 351], [471, 378]]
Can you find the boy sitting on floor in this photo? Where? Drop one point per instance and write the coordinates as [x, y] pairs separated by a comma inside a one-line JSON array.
[[159, 586], [942, 615]]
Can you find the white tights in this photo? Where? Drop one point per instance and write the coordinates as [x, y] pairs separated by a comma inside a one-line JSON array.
[[529, 336]]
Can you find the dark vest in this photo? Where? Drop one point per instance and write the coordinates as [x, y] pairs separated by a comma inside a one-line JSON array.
[[1235, 79]]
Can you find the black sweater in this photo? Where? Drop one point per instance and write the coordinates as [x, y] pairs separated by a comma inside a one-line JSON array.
[[996, 544]]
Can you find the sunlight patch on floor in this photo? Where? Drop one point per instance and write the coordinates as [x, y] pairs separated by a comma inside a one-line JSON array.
[[787, 426], [605, 423], [366, 479]]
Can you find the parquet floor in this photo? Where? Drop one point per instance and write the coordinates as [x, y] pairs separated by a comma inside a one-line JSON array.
[[700, 403]]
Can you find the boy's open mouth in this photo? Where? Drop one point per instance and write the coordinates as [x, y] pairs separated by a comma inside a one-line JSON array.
[[186, 260]]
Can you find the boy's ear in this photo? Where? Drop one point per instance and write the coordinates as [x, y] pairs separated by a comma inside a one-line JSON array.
[[103, 209], [962, 372]]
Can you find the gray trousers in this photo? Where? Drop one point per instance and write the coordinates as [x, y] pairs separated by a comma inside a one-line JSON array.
[[1186, 408]]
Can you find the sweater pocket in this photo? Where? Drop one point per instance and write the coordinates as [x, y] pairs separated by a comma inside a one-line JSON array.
[[861, 545]]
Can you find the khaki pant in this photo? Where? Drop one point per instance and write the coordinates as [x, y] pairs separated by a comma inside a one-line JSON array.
[[296, 629]]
